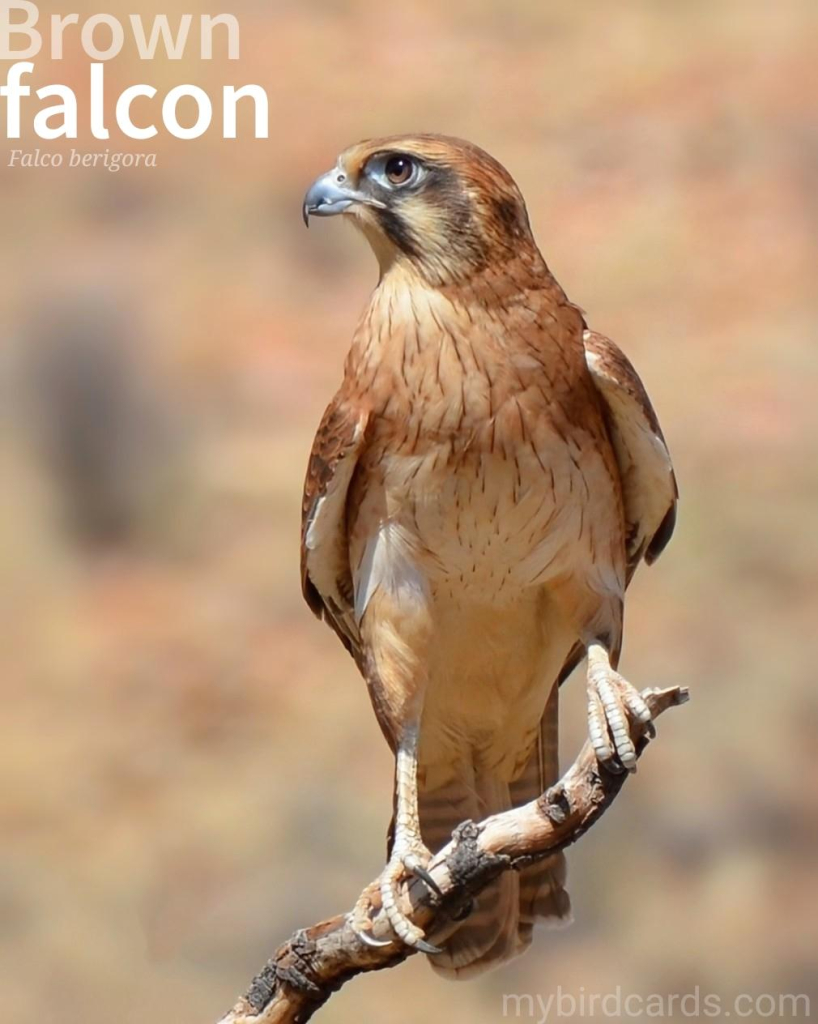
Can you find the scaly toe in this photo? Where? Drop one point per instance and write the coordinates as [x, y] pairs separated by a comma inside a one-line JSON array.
[[598, 729], [613, 703], [396, 871], [361, 922], [635, 702]]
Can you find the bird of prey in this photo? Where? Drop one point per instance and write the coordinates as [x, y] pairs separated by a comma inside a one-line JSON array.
[[480, 491]]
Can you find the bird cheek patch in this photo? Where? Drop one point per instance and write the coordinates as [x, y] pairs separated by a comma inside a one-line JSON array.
[[398, 229]]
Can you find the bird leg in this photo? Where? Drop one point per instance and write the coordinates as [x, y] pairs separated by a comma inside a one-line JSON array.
[[612, 701], [409, 857]]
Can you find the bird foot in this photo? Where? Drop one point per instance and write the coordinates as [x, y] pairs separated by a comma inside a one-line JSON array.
[[613, 703], [361, 919], [402, 867], [410, 859]]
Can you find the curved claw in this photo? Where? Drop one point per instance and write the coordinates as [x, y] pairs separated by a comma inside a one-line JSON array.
[[408, 862], [425, 877], [426, 947], [369, 939]]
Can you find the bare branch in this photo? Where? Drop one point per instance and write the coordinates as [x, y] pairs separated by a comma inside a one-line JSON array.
[[315, 962]]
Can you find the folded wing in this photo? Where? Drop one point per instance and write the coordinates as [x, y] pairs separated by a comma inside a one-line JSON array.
[[326, 578], [645, 469], [648, 481]]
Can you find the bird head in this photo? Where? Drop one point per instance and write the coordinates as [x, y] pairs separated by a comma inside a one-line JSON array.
[[442, 207]]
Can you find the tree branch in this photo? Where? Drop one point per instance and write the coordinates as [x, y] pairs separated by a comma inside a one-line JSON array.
[[315, 962]]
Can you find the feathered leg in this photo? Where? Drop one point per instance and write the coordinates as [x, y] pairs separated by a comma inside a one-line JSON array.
[[396, 630]]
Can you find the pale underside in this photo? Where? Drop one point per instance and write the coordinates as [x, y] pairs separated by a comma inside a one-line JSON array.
[[477, 586]]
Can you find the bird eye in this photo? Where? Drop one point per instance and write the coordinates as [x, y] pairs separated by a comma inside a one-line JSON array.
[[399, 169], [395, 170]]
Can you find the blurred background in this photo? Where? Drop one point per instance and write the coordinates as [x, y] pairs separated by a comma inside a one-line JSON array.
[[190, 766]]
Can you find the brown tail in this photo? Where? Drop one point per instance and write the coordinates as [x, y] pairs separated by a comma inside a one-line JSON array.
[[542, 886], [501, 924]]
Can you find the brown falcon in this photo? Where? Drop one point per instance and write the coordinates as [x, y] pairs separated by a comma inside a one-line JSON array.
[[479, 493]]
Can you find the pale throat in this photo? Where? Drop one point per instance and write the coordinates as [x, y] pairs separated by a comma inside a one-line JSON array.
[[406, 318]]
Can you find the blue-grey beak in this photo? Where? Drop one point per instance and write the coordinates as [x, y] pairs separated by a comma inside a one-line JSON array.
[[331, 194]]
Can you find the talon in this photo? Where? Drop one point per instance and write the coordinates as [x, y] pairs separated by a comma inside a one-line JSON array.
[[424, 876], [614, 705], [613, 766], [427, 947], [406, 862], [360, 920], [369, 939]]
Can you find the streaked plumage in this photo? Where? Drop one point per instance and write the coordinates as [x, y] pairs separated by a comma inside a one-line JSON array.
[[480, 492]]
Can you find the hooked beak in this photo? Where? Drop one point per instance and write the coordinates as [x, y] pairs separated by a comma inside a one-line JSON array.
[[331, 194]]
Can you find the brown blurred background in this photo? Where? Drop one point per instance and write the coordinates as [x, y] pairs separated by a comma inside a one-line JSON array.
[[190, 767]]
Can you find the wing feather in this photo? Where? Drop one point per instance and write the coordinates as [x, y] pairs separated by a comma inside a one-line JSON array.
[[326, 577], [648, 481], [646, 471]]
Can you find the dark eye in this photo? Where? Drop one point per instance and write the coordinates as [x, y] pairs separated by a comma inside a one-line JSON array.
[[399, 169]]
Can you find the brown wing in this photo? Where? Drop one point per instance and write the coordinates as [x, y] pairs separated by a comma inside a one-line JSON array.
[[648, 481], [326, 578]]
